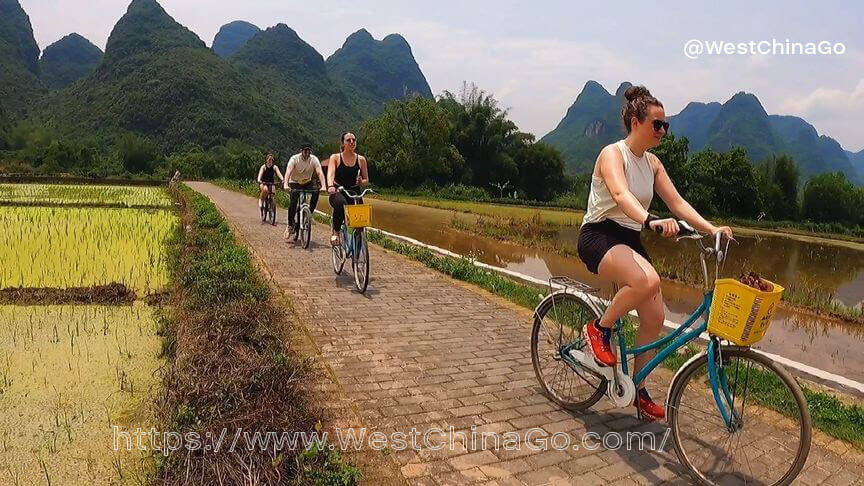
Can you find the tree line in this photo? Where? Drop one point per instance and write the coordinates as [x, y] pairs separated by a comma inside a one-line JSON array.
[[728, 184], [462, 145]]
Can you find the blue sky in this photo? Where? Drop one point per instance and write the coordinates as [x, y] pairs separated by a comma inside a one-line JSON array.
[[536, 56]]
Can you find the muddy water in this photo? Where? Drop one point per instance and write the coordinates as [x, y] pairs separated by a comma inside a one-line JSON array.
[[822, 343]]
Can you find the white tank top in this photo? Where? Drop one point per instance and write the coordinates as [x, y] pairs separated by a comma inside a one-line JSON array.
[[640, 179]]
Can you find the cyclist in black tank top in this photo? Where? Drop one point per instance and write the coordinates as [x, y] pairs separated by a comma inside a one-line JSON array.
[[346, 176], [266, 178], [347, 169]]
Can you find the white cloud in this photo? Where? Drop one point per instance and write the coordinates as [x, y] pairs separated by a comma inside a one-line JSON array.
[[834, 112], [826, 100]]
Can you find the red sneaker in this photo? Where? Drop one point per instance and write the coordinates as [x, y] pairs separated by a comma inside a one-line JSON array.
[[648, 408], [599, 338]]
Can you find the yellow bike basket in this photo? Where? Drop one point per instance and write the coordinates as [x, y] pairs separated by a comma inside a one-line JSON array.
[[740, 313], [358, 215]]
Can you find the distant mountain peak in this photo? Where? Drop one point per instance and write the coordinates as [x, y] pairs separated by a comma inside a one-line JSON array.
[[232, 36], [280, 47], [361, 35], [146, 28], [16, 32], [593, 87], [383, 70], [742, 98], [68, 60], [622, 89], [396, 39], [19, 61]]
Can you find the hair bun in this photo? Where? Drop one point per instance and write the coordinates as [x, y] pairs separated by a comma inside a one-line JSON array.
[[636, 92]]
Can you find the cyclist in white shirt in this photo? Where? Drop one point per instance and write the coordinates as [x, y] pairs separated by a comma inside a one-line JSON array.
[[301, 169]]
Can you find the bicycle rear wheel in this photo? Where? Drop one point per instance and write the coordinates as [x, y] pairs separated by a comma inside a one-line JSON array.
[[558, 324], [360, 261], [770, 438], [305, 227]]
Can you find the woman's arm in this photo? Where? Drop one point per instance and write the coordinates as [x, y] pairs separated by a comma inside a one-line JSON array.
[[612, 172], [364, 172], [320, 172], [279, 173], [288, 169], [331, 172], [260, 174], [665, 188]]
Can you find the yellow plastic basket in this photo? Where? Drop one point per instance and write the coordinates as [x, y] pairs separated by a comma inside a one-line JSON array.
[[358, 215], [740, 313]]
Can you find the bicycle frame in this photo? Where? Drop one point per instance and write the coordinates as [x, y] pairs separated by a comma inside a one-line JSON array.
[[348, 240], [677, 338], [305, 199], [684, 334]]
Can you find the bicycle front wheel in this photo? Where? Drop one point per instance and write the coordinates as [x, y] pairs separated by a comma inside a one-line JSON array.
[[769, 439], [272, 215], [305, 227], [558, 324], [338, 258], [361, 262]]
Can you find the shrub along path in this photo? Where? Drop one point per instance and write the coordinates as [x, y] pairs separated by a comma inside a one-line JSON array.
[[422, 351]]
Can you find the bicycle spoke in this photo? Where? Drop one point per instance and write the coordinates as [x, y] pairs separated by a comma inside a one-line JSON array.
[[764, 447]]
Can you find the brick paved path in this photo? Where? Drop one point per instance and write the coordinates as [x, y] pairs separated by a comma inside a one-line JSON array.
[[421, 350]]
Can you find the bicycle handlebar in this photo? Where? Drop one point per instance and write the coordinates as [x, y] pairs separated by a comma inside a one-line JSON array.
[[352, 196], [684, 230], [687, 231]]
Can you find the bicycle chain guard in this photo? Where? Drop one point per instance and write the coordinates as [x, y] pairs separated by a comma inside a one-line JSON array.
[[621, 389]]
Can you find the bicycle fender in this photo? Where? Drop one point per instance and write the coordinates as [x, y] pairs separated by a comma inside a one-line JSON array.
[[677, 373]]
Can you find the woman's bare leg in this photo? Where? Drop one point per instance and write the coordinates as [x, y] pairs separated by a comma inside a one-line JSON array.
[[637, 279]]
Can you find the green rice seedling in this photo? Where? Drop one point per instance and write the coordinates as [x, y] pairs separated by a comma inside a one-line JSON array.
[[84, 195]]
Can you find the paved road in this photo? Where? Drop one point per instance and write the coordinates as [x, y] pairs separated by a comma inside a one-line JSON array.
[[422, 351]]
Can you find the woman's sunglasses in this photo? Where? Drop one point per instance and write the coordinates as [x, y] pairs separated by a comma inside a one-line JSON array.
[[658, 124], [350, 140]]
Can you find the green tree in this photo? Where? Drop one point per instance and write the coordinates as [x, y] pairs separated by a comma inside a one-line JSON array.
[[238, 160], [673, 154], [138, 155], [830, 198], [195, 163], [409, 144], [723, 183], [780, 187], [541, 170], [483, 135]]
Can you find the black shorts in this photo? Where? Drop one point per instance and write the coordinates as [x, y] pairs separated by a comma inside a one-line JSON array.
[[595, 239]]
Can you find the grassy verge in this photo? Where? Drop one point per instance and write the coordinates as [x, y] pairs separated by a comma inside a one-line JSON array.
[[829, 414], [231, 372]]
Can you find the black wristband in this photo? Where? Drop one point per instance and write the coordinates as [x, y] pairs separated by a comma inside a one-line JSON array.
[[647, 224]]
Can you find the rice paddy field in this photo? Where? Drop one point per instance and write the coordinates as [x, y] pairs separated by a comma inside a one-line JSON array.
[[78, 247], [84, 195], [70, 374]]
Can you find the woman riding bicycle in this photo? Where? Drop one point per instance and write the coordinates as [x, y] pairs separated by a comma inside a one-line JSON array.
[[299, 172], [624, 181], [346, 169], [267, 178]]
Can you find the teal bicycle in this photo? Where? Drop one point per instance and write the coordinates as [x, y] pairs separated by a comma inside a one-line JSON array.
[[736, 416], [352, 239]]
